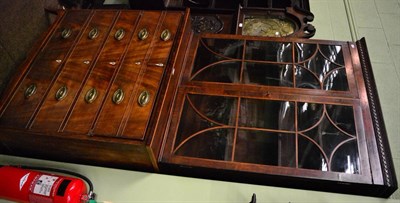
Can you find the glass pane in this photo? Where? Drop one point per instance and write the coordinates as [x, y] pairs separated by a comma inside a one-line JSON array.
[[268, 74], [320, 66], [306, 79], [278, 115], [212, 144], [218, 109], [226, 48], [336, 80], [268, 51], [269, 148], [267, 26], [202, 112], [327, 136], [213, 50], [343, 117], [333, 53], [310, 156], [308, 114], [346, 159], [304, 51], [226, 72]]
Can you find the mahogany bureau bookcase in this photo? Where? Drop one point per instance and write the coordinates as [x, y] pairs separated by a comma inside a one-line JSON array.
[[140, 90]]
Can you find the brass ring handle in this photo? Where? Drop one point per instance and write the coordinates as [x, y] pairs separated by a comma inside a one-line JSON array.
[[118, 96], [143, 34], [61, 93], [144, 98], [31, 90], [67, 32], [91, 95], [165, 35], [119, 34], [94, 33]]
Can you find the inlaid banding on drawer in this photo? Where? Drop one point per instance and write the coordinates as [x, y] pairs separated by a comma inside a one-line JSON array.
[[101, 76], [112, 116], [139, 114]]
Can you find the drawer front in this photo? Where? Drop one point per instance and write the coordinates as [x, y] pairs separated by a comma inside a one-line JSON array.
[[153, 70], [42, 72], [62, 94], [122, 90], [93, 93]]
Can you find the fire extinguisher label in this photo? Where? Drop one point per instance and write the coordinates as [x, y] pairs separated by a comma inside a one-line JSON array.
[[44, 184], [23, 180]]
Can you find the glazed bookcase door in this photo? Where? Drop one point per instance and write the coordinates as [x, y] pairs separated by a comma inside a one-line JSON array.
[[272, 107]]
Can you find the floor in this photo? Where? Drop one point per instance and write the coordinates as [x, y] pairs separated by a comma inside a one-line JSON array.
[[379, 22], [349, 20], [16, 40]]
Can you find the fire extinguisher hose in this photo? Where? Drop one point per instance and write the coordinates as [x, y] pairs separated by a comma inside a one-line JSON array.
[[91, 194]]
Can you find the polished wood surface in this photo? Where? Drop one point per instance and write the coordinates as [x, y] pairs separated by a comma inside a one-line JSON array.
[[53, 112], [101, 75], [64, 102]]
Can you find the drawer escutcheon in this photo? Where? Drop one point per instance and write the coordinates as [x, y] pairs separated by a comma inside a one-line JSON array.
[[94, 33], [144, 98], [143, 34], [67, 32], [119, 34], [118, 96], [166, 35], [91, 95], [61, 93], [31, 90]]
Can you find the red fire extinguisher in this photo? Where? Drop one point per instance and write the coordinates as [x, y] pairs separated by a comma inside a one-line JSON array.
[[31, 186]]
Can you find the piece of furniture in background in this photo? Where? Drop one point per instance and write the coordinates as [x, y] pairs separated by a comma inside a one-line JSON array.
[[81, 4], [254, 17], [288, 22], [218, 4]]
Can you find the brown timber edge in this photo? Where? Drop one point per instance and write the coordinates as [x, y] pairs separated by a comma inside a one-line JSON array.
[[313, 184], [160, 114], [378, 122], [90, 151]]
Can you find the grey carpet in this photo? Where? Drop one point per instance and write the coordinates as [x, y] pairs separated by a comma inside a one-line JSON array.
[[21, 24]]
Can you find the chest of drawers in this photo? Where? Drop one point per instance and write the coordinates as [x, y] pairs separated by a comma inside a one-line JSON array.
[[89, 93]]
